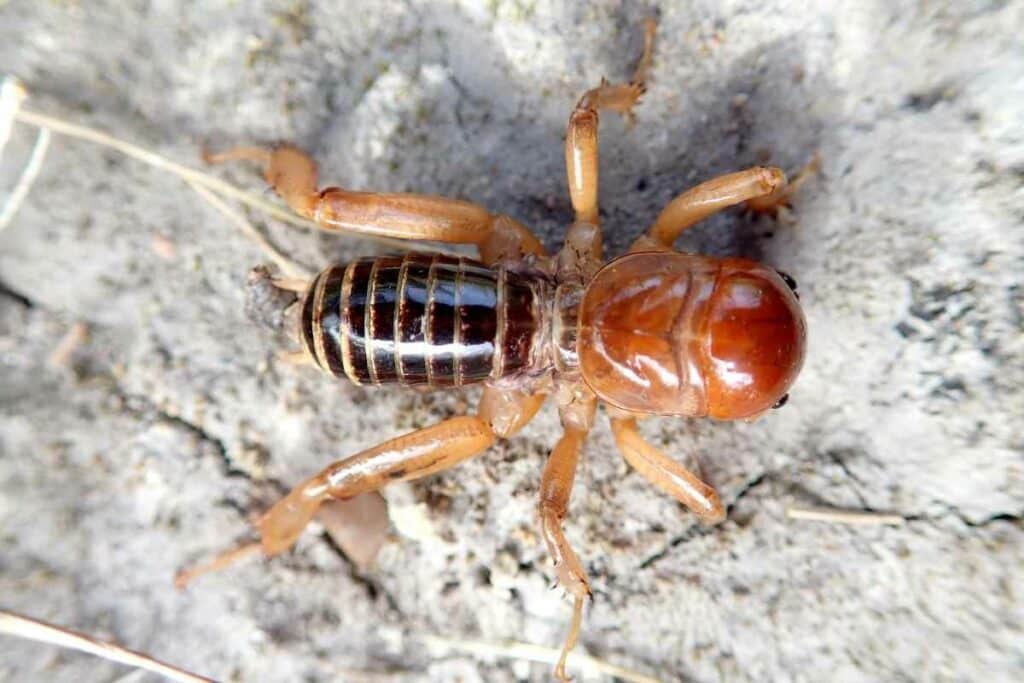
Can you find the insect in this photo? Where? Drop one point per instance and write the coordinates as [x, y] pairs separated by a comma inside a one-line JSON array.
[[653, 332]]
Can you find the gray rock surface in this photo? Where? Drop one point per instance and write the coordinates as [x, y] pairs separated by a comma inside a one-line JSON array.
[[174, 422]]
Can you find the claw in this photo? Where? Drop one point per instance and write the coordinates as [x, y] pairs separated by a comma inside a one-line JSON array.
[[779, 204]]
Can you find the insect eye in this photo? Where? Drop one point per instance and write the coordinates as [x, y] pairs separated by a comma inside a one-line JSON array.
[[788, 279], [781, 402]]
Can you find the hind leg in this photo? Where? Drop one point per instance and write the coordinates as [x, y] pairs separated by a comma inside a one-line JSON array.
[[293, 175], [414, 455], [411, 456]]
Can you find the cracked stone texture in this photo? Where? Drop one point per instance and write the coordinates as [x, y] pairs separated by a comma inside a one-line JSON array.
[[175, 424]]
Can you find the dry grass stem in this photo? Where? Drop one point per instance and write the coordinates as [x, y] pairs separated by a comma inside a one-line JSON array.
[[210, 182], [538, 653], [28, 176], [32, 629], [840, 516], [12, 94], [287, 265], [76, 335]]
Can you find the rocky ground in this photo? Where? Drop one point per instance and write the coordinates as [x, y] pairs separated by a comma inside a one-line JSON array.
[[173, 423]]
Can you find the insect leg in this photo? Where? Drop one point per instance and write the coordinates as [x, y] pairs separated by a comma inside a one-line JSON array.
[[293, 175], [706, 199], [781, 198], [581, 157], [763, 188], [555, 488], [296, 358], [411, 456], [667, 474], [296, 285], [508, 411]]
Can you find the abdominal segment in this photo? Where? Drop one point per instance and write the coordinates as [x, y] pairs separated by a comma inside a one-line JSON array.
[[420, 319]]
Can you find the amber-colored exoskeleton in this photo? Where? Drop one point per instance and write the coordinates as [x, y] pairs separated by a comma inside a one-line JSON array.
[[653, 332]]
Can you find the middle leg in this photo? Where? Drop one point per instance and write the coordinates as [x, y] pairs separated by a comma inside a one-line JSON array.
[[555, 488], [581, 161]]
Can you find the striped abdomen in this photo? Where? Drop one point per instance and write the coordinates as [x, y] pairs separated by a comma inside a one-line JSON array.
[[420, 319]]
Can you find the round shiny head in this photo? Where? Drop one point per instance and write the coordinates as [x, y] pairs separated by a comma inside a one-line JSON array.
[[681, 334]]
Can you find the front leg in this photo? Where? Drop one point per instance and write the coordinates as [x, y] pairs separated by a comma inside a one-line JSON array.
[[708, 198], [780, 201], [763, 188], [555, 488], [667, 474], [293, 175]]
